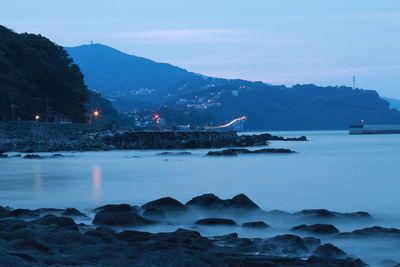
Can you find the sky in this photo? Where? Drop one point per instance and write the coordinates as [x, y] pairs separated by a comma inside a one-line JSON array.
[[274, 41]]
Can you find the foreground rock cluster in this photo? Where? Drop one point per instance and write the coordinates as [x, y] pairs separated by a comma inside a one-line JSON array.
[[38, 138], [46, 237]]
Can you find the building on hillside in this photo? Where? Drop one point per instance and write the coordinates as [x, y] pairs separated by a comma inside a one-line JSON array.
[[55, 116]]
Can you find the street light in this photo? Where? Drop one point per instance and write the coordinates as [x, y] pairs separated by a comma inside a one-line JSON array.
[[96, 113], [37, 117]]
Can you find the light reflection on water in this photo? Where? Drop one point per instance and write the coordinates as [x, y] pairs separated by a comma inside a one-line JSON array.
[[96, 177], [333, 170]]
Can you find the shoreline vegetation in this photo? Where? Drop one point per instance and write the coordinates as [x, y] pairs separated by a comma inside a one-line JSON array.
[[111, 236]]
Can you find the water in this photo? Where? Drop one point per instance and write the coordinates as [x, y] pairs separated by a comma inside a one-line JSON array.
[[333, 170]]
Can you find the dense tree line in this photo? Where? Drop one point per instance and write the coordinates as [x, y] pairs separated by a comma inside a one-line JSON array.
[[37, 75], [301, 107]]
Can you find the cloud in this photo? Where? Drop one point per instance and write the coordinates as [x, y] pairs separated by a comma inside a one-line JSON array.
[[182, 35]]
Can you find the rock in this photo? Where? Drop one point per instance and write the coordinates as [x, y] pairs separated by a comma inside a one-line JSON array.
[[119, 215], [376, 231], [207, 201], [321, 229], [243, 202], [33, 156], [73, 212], [329, 251], [236, 151], [211, 201], [181, 153], [4, 212], [216, 221], [226, 152], [323, 214], [257, 225], [2, 155], [166, 204], [54, 220], [23, 213], [154, 214]]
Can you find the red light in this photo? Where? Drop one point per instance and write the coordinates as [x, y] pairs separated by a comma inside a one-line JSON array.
[[156, 116]]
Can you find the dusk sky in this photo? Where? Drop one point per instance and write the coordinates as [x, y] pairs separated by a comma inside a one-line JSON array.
[[279, 42]]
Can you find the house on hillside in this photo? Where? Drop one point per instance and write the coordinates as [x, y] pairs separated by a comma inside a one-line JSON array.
[[55, 116]]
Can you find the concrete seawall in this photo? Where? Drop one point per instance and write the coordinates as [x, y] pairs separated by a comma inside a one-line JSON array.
[[45, 130]]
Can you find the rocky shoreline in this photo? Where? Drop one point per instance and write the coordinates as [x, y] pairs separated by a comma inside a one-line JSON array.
[[111, 236], [130, 139]]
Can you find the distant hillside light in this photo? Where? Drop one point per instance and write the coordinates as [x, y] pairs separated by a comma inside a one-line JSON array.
[[96, 113], [37, 117]]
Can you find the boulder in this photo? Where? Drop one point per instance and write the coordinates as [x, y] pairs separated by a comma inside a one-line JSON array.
[[376, 231], [212, 202], [207, 201], [329, 251], [243, 202], [154, 214], [73, 212], [166, 204], [4, 212], [256, 225], [321, 229], [119, 215], [236, 151], [33, 156], [54, 220], [23, 213], [216, 221], [323, 214]]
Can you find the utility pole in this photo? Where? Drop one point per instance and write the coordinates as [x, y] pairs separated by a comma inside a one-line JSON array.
[[12, 107], [354, 82]]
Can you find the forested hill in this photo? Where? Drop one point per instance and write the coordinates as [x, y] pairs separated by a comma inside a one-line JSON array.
[[116, 73], [301, 107], [37, 75]]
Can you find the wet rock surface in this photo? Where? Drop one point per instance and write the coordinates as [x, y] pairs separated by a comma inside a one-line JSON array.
[[216, 221], [237, 151], [44, 237], [322, 229], [256, 225]]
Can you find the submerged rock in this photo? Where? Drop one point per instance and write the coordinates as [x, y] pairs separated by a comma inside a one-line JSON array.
[[329, 251], [236, 151], [323, 214], [167, 205], [180, 153], [216, 221], [154, 214], [257, 225], [73, 212], [321, 229], [119, 215], [212, 202], [376, 231], [33, 156]]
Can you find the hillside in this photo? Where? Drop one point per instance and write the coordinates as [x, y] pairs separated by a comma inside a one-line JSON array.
[[138, 83], [37, 75], [393, 103], [119, 74], [301, 107]]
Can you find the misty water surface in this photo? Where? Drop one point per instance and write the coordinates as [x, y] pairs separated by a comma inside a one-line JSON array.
[[333, 170]]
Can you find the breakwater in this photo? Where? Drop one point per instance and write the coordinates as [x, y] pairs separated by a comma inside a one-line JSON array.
[[43, 137]]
